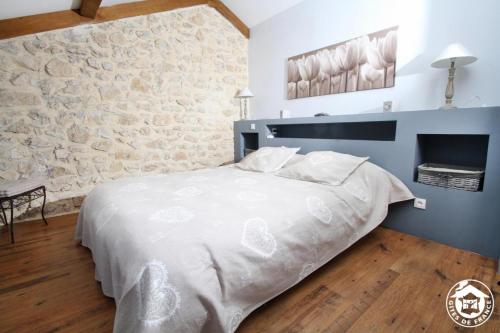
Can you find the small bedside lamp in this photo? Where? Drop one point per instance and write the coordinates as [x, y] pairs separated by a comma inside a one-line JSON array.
[[455, 55], [244, 94]]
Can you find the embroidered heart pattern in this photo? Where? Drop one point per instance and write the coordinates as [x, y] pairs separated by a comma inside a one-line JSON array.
[[134, 187], [173, 214], [251, 196], [257, 237], [306, 270], [356, 191], [188, 192], [105, 215], [236, 319], [245, 278], [319, 209], [158, 299], [245, 181], [316, 159]]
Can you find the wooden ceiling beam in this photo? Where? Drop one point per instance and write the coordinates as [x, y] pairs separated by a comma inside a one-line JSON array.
[[33, 24], [140, 8], [27, 25], [89, 8], [230, 16]]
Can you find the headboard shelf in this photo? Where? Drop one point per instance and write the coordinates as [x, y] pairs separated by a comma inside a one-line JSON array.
[[250, 143], [467, 150], [399, 142], [366, 130], [460, 149]]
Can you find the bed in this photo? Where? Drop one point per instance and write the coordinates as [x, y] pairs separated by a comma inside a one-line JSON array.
[[199, 251]]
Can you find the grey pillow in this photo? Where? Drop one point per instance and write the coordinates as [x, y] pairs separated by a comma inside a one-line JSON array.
[[267, 159], [325, 167]]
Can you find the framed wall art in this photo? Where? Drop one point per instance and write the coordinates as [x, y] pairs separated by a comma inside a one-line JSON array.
[[363, 63]]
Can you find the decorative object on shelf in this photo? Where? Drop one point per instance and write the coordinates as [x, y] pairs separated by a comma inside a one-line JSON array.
[[244, 94], [455, 55], [363, 63], [285, 114], [321, 114]]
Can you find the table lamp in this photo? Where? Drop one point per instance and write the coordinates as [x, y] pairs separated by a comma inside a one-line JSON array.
[[244, 94], [455, 55]]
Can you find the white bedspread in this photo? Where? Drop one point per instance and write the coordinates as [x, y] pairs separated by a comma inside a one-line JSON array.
[[198, 251]]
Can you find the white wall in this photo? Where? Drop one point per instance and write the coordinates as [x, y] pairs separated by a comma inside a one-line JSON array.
[[255, 12], [425, 28]]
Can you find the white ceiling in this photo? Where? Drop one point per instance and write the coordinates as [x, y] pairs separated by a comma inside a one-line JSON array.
[[251, 12]]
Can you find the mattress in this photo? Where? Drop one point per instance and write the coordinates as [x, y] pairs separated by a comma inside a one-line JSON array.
[[199, 251]]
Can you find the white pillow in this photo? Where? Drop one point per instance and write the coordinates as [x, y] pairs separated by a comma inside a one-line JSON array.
[[371, 183], [267, 159], [294, 160], [325, 167]]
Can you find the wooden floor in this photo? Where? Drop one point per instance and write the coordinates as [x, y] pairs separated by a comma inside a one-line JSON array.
[[387, 282]]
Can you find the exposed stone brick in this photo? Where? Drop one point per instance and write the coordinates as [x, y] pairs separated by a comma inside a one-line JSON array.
[[92, 103]]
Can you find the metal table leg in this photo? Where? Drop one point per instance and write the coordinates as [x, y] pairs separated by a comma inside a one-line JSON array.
[[12, 240], [3, 213], [43, 206]]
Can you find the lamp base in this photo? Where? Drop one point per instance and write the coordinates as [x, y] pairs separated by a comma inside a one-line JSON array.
[[448, 107], [448, 104]]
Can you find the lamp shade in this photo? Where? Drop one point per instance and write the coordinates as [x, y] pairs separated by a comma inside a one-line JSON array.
[[244, 93], [454, 52]]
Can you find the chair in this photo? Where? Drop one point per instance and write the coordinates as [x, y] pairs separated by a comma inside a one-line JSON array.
[[14, 194]]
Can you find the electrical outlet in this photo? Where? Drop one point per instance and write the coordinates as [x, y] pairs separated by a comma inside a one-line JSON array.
[[420, 203], [387, 106], [252, 126]]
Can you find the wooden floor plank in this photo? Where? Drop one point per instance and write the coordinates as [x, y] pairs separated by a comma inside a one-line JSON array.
[[370, 294], [387, 282], [342, 273]]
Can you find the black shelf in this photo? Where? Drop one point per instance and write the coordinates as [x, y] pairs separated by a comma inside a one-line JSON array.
[[250, 142], [366, 130]]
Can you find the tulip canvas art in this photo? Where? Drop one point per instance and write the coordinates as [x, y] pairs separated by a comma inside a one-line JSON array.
[[363, 63]]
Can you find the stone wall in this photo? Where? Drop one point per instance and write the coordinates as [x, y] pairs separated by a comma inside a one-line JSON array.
[[149, 94]]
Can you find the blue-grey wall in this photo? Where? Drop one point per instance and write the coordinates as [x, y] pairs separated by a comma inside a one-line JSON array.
[[467, 220], [426, 27]]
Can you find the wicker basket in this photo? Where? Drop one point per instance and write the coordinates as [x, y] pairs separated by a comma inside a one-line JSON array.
[[451, 176]]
